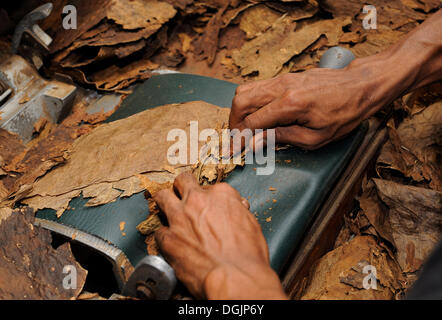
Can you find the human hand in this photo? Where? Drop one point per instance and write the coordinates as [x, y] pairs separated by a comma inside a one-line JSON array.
[[312, 108], [214, 243]]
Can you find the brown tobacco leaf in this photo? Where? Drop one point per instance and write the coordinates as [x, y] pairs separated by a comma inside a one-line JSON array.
[[258, 19], [207, 44], [267, 53], [34, 162], [153, 222], [5, 213], [231, 37], [425, 5], [90, 13], [214, 165], [10, 147], [60, 203], [377, 41], [124, 149], [116, 78], [136, 14], [339, 274], [30, 268], [376, 213], [296, 11], [415, 217], [414, 148], [394, 13]]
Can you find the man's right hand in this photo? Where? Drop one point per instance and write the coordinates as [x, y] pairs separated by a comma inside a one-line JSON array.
[[313, 108], [307, 109]]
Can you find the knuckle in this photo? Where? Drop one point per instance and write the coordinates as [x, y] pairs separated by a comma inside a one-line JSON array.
[[240, 89], [314, 141], [164, 239], [195, 195], [223, 187], [289, 98], [237, 102]]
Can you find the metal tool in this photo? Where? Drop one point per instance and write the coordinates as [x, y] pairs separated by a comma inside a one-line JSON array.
[[152, 279], [25, 96], [38, 41]]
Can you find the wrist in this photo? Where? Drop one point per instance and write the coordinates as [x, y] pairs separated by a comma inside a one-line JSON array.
[[413, 62], [383, 78], [227, 282]]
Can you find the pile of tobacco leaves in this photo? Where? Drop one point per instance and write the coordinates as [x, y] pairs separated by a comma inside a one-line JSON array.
[[117, 43]]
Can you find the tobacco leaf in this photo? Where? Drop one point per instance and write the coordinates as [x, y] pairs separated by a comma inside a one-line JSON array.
[[136, 14], [90, 13], [415, 149], [376, 212], [123, 149], [207, 44], [377, 41], [59, 203], [394, 13], [30, 268], [339, 274], [415, 217], [296, 10], [10, 147], [116, 78], [425, 5], [267, 53], [5, 212], [231, 37], [153, 221], [258, 19]]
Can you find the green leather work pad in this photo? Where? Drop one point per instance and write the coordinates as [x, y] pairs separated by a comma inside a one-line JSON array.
[[301, 179]]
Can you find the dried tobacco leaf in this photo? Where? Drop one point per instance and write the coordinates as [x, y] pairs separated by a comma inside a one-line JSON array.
[[258, 19], [415, 217], [136, 14], [395, 14], [415, 147], [30, 268], [267, 53], [10, 147], [90, 13], [339, 274], [376, 41], [206, 46], [123, 149], [376, 212]]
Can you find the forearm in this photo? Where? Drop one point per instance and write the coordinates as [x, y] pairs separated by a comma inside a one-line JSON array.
[[413, 62]]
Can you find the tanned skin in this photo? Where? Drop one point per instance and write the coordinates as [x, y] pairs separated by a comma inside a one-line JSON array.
[[213, 241]]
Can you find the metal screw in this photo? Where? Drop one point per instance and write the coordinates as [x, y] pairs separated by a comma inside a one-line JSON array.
[[144, 292]]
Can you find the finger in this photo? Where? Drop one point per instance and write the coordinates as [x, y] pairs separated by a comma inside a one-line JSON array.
[[258, 142], [250, 98], [163, 237], [168, 203], [279, 112], [160, 235], [240, 139], [184, 183], [255, 144], [302, 137]]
